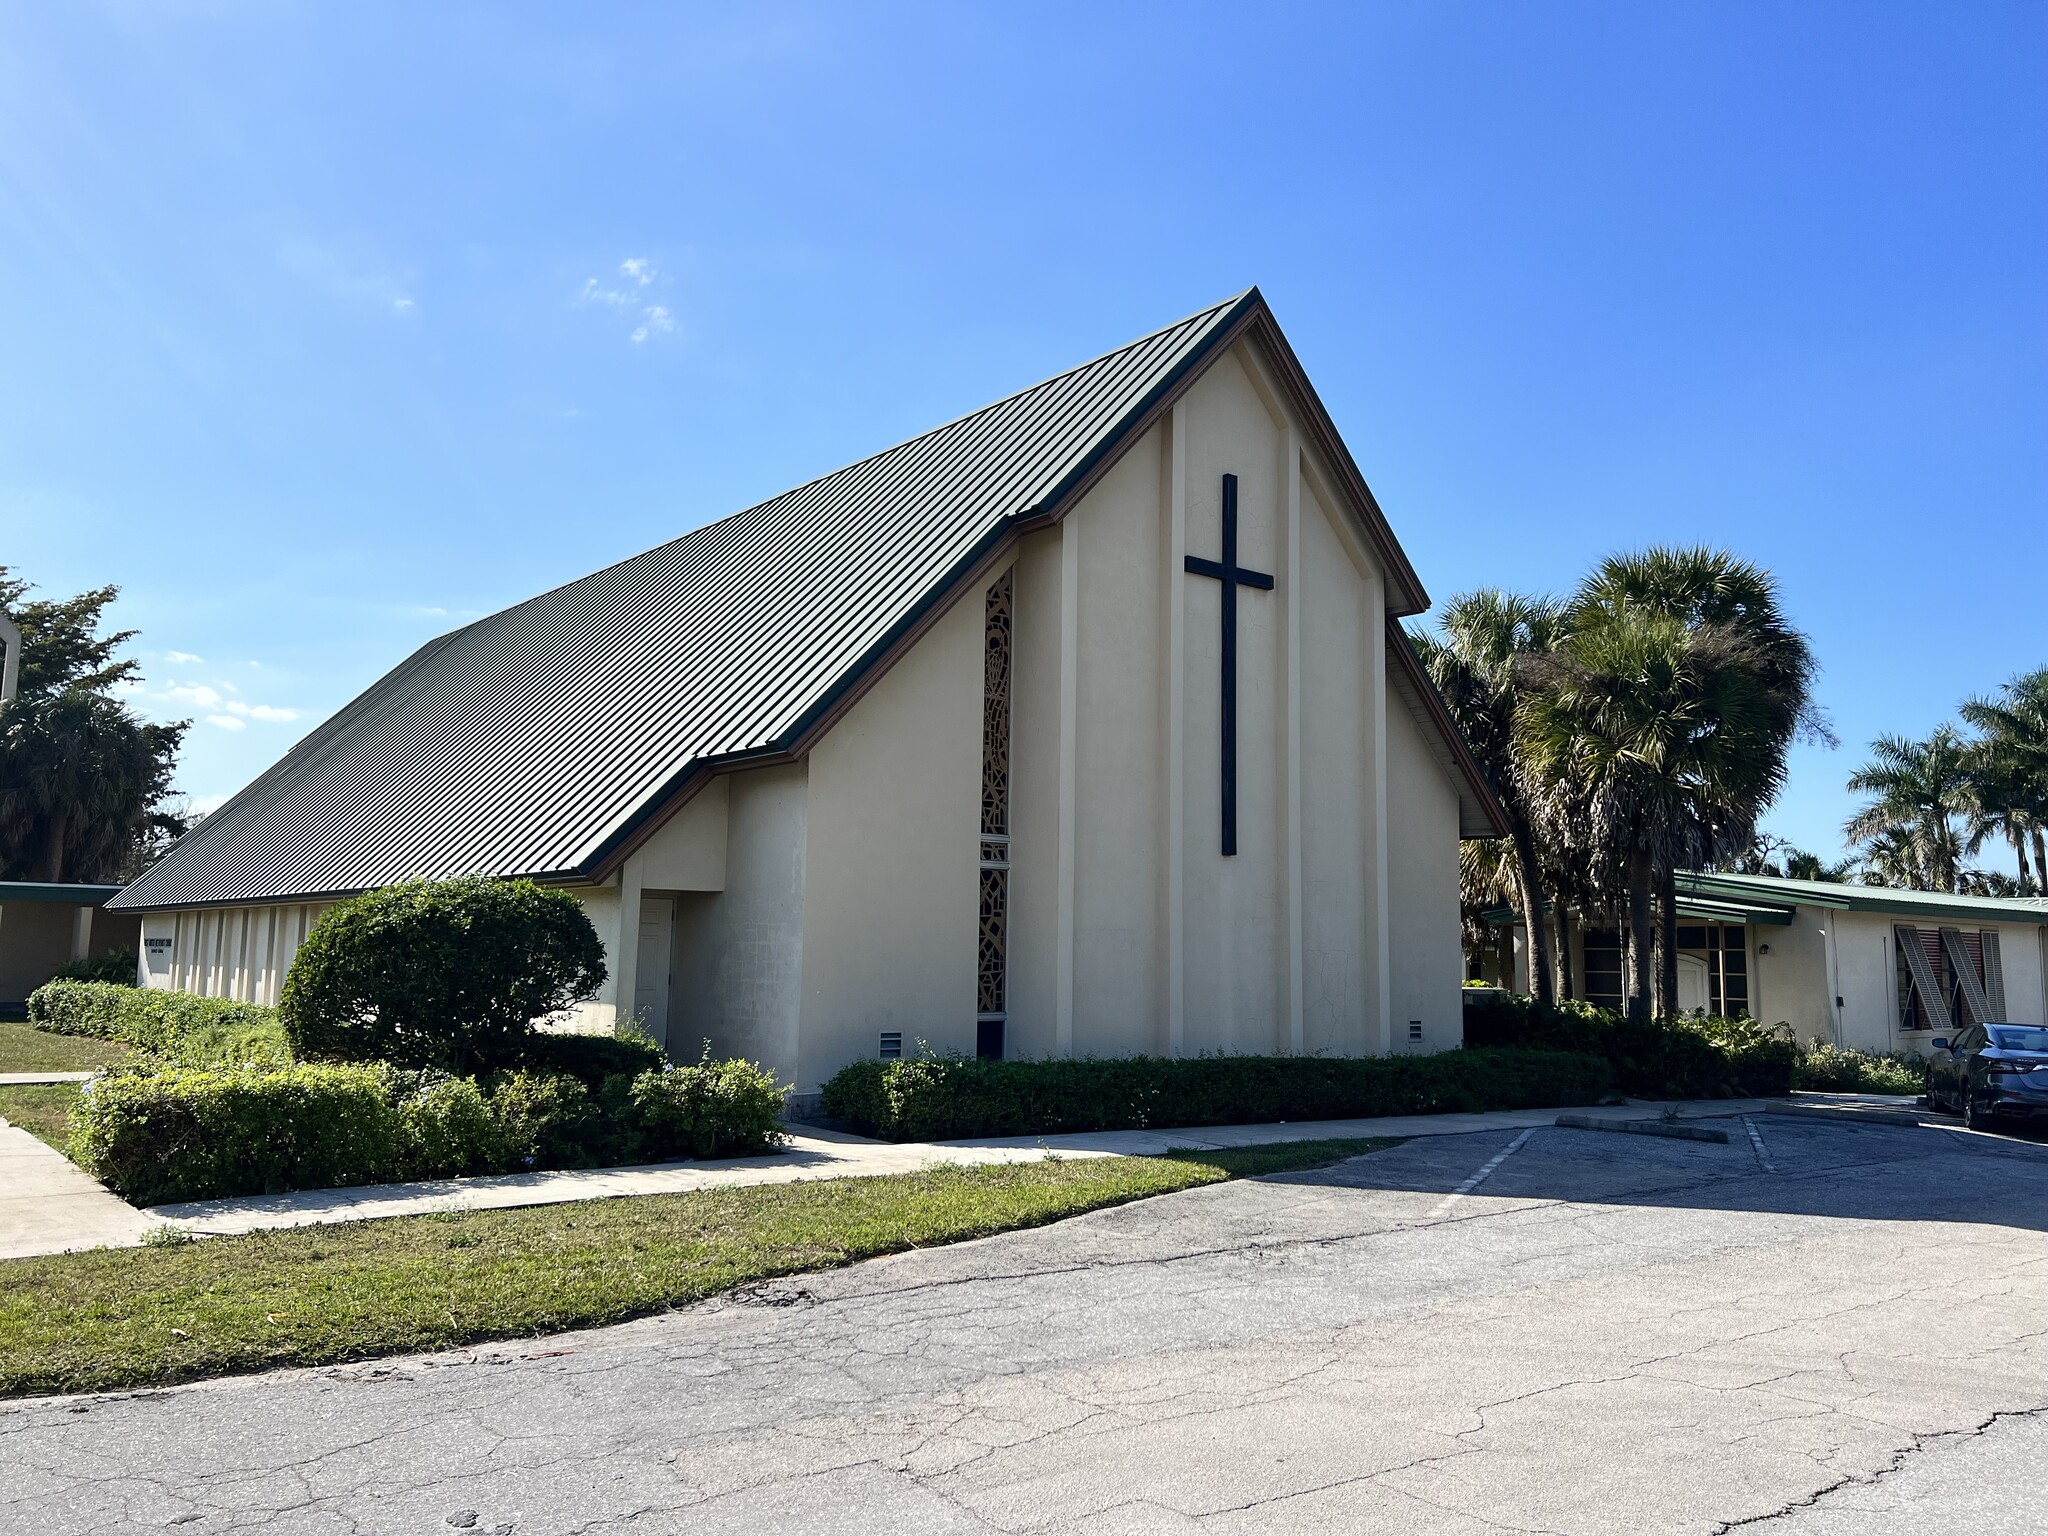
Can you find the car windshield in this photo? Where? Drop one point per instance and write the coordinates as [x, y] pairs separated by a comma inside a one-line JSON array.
[[2018, 1037]]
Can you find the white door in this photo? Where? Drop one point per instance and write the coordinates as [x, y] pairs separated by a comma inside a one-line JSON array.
[[1692, 984], [650, 984]]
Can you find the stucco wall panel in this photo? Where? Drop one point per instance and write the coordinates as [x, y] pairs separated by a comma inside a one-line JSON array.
[[1120, 762], [1034, 796], [1336, 738], [892, 858], [736, 968], [1424, 952], [1236, 959]]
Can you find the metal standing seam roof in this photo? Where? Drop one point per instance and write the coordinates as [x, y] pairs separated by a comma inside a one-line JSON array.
[[1772, 900], [535, 741], [1845, 897]]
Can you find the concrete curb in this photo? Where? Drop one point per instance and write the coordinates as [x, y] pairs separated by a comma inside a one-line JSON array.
[[1643, 1128], [1844, 1112]]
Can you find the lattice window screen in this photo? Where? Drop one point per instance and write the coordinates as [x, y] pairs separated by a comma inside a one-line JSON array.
[[992, 971]]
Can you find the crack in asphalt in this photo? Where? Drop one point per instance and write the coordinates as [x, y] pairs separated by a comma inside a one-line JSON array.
[[1921, 1443]]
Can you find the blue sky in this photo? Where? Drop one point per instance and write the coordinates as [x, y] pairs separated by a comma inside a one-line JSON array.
[[326, 327]]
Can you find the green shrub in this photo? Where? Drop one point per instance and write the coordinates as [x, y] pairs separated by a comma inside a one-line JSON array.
[[1833, 1069], [185, 1133], [450, 1130], [550, 1120], [448, 974], [165, 1133], [1680, 1059], [936, 1098], [711, 1109], [593, 1058], [153, 1020], [117, 966]]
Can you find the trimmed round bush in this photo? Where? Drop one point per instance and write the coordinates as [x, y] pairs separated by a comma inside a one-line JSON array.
[[450, 974]]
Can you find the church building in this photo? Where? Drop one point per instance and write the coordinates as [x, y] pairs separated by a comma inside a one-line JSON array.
[[1082, 726]]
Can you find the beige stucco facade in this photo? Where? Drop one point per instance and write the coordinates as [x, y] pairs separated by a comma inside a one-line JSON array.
[[799, 913], [845, 906]]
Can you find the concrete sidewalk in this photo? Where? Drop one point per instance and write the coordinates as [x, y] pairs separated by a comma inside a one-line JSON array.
[[816, 1153], [49, 1205], [40, 1079]]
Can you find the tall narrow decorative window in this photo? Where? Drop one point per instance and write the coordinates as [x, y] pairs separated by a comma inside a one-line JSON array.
[[992, 971]]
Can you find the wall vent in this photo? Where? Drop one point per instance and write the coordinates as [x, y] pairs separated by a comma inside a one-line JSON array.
[[1415, 1029], [892, 1045]]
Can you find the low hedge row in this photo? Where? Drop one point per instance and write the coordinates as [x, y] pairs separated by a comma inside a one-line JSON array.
[[1675, 1059], [183, 1133], [935, 1098], [147, 1018], [214, 1031]]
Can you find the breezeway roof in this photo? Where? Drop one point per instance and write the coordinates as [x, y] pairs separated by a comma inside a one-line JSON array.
[[1772, 900], [540, 740], [1777, 890]]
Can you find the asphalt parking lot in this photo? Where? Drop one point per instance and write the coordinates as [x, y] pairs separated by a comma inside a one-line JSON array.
[[1820, 1328]]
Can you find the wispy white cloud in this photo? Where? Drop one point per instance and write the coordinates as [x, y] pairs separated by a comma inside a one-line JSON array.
[[183, 658], [635, 275], [219, 705], [631, 291], [655, 320], [403, 306]]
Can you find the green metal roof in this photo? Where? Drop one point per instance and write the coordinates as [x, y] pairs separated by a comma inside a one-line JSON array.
[[1768, 901], [1775, 890], [68, 895]]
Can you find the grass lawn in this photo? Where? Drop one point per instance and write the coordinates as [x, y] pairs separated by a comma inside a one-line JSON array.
[[24, 1048], [133, 1317], [42, 1110]]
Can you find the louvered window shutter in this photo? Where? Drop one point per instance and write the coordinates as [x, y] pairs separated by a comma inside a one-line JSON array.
[[1994, 972], [1966, 974], [1932, 1003]]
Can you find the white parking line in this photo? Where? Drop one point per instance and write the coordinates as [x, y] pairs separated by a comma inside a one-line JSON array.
[[1483, 1174], [1756, 1142]]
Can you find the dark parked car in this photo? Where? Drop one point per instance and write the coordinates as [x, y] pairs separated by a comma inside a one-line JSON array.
[[1989, 1071]]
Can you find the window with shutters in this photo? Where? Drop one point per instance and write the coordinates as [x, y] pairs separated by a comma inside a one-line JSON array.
[[1951, 1007], [992, 969]]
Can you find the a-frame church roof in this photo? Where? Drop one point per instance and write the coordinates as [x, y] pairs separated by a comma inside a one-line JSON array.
[[545, 739]]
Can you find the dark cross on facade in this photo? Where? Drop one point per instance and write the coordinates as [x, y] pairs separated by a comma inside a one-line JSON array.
[[1232, 575]]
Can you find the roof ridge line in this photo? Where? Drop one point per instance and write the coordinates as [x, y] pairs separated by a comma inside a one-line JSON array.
[[1218, 309]]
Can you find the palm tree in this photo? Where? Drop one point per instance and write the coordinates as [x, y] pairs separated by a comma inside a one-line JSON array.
[[1659, 725], [1889, 860], [1801, 865], [1487, 879], [2012, 771], [1473, 661], [1921, 792]]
